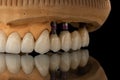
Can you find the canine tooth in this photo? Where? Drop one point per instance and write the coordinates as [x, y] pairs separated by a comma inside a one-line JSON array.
[[3, 39], [13, 63], [65, 38], [84, 57], [42, 64], [65, 62], [84, 36], [54, 62], [13, 44], [42, 45], [76, 40], [27, 45], [54, 43], [2, 63]]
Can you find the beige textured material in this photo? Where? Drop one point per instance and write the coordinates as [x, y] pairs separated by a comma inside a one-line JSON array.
[[17, 12]]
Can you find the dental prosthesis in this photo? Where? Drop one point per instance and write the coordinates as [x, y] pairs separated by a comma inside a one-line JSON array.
[[47, 39]]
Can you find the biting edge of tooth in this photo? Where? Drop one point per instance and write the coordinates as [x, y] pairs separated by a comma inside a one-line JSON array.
[[54, 43], [27, 44], [42, 64], [65, 38], [2, 63], [13, 44], [42, 45], [76, 40], [13, 63], [27, 63], [3, 39]]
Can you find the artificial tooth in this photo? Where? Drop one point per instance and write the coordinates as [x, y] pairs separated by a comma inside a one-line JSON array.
[[84, 36], [42, 45], [2, 63], [65, 62], [3, 39], [27, 63], [76, 40], [42, 64], [13, 63], [54, 43], [54, 62], [27, 45], [84, 57], [13, 44]]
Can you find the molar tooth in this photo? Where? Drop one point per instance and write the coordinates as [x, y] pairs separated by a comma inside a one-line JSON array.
[[54, 43], [13, 44], [42, 64], [13, 63], [76, 40], [2, 62], [27, 63], [42, 45], [54, 62], [3, 39], [84, 36], [27, 45]]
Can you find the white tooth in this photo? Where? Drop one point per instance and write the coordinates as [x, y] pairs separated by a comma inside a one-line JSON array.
[[84, 36], [76, 40], [13, 44], [13, 63], [65, 62], [54, 43], [54, 62], [42, 64], [27, 45], [84, 57], [3, 39], [42, 45], [74, 60], [79, 55], [27, 63], [2, 63], [65, 38]]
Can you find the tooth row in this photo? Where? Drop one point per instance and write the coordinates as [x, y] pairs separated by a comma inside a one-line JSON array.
[[13, 63], [65, 41]]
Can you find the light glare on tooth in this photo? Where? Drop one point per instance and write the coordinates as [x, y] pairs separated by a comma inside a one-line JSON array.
[[42, 45], [2, 63], [13, 44], [27, 45]]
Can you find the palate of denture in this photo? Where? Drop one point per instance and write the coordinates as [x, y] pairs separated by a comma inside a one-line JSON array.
[[76, 40], [13, 63], [27, 44], [27, 63], [2, 62], [13, 43], [3, 39], [42, 44], [42, 64]]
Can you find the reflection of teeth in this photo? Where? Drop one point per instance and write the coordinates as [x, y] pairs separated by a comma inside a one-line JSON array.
[[54, 62], [27, 45], [54, 43], [13, 43], [76, 40], [2, 63], [65, 62], [42, 64], [84, 57], [42, 45], [3, 39], [84, 36], [13, 63], [27, 63], [65, 38]]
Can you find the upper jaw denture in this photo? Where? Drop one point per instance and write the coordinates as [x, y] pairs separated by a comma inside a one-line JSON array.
[[42, 36]]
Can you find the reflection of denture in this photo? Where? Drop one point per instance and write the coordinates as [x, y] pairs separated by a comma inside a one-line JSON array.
[[33, 47]]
